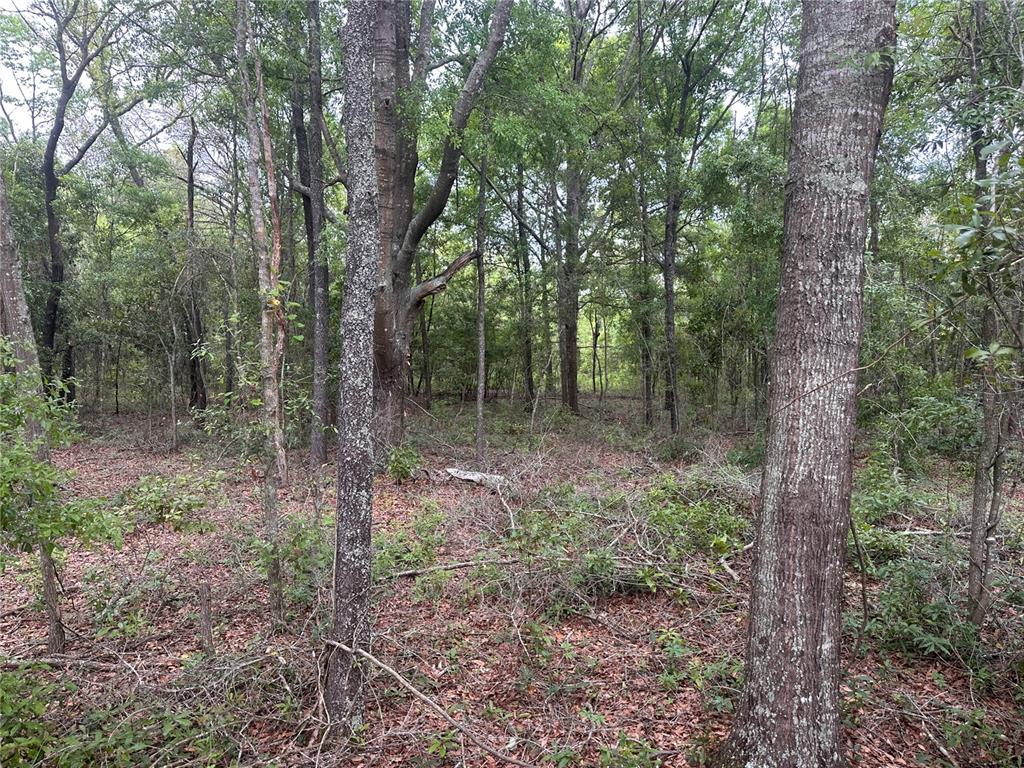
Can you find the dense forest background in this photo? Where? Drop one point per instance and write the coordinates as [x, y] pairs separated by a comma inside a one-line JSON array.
[[581, 215]]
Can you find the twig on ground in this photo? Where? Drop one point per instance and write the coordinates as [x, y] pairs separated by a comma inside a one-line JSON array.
[[496, 754]]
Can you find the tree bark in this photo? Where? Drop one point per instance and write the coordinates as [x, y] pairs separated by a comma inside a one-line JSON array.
[[401, 232], [319, 276], [353, 554], [524, 255], [986, 501], [568, 292], [789, 712], [272, 319], [198, 398], [16, 327], [481, 324]]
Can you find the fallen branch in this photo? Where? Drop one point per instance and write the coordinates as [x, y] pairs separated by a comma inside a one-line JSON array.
[[59, 661], [725, 566], [469, 734], [450, 567], [493, 482]]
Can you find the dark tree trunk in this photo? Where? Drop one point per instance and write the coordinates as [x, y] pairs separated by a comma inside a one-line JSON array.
[[568, 284], [319, 276], [789, 713], [644, 297], [481, 324], [198, 399], [351, 626], [524, 255], [51, 312], [16, 327]]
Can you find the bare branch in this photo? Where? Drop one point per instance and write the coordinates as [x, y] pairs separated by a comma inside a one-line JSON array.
[[438, 283]]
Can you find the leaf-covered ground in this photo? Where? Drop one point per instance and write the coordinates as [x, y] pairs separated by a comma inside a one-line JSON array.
[[596, 616]]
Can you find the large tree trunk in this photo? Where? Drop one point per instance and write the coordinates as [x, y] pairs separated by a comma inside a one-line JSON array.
[[355, 440], [398, 301], [789, 713], [16, 327]]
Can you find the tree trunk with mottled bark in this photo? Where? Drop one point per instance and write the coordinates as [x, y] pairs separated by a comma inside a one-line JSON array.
[[353, 555], [16, 327], [789, 712]]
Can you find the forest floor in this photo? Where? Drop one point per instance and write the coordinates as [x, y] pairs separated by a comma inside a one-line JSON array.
[[595, 614]]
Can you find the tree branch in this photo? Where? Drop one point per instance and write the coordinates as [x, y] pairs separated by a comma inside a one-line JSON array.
[[439, 282], [70, 164], [438, 197], [511, 208]]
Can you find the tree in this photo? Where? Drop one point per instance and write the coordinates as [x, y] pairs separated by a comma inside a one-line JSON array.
[[272, 317], [309, 148], [79, 33], [351, 620], [789, 713], [397, 158], [33, 471]]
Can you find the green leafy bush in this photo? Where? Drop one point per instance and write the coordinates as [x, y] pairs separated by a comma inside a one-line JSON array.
[[879, 545], [709, 525], [403, 462], [409, 548], [115, 736], [748, 453], [25, 737], [679, 446], [307, 556], [916, 615], [879, 490], [178, 500]]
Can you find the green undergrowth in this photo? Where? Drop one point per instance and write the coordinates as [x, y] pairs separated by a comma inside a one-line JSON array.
[[570, 548]]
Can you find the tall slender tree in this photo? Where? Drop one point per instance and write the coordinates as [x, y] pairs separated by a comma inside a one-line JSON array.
[[789, 714], [272, 317]]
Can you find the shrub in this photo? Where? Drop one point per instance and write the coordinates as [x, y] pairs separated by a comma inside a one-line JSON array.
[[679, 446], [31, 507], [748, 453], [409, 548], [177, 500], [707, 525], [403, 462], [880, 490], [916, 615]]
